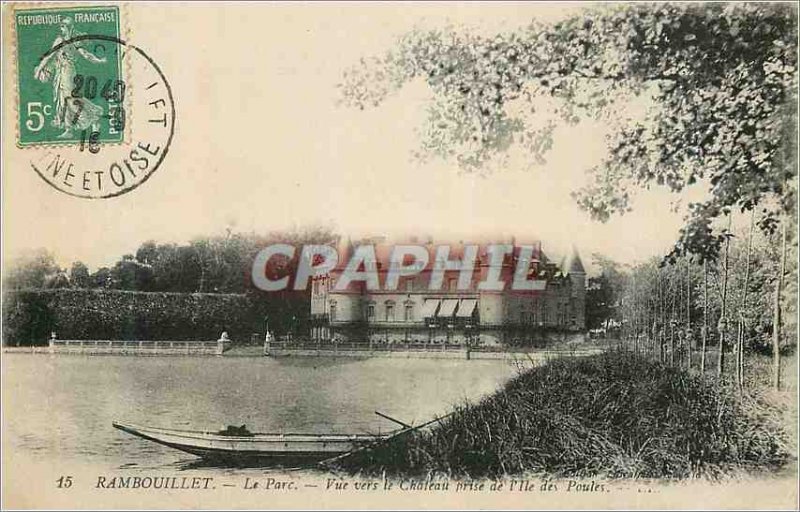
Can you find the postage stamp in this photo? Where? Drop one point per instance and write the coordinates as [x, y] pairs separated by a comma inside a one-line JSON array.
[[69, 91]]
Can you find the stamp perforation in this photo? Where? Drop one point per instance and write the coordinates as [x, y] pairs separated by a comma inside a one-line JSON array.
[[124, 33]]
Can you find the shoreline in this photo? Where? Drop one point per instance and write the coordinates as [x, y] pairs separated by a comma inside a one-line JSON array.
[[461, 354], [124, 347], [167, 348]]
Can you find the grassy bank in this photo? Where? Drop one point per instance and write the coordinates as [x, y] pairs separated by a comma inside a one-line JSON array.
[[613, 415]]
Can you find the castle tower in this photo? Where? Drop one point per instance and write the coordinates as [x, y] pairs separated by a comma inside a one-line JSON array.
[[573, 268]]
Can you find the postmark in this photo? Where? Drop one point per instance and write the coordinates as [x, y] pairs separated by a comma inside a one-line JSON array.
[[96, 111]]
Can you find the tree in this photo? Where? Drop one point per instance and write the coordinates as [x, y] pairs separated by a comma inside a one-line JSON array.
[[740, 293], [705, 319], [102, 278], [743, 309], [34, 269], [599, 302], [603, 294], [79, 275], [147, 253], [57, 280], [130, 274], [721, 79], [776, 335], [723, 318]]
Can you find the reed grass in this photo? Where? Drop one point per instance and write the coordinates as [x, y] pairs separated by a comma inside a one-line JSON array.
[[615, 415]]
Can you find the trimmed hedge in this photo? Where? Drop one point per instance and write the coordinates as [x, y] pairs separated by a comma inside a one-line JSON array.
[[29, 316]]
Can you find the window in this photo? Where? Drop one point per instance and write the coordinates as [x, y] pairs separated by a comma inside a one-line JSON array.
[[389, 312], [451, 284], [409, 315], [371, 311], [409, 285], [333, 311]]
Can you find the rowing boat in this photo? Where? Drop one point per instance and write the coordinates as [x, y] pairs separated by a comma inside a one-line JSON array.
[[235, 444]]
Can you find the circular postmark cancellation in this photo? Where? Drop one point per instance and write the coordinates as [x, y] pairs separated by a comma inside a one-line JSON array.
[[91, 108]]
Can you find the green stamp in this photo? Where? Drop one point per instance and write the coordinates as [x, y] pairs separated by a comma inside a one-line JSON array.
[[71, 87]]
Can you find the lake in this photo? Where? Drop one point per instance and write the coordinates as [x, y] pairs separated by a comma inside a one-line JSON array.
[[58, 409]]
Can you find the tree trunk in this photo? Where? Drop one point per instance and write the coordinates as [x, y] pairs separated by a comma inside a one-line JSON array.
[[722, 326], [672, 343], [635, 319], [678, 316], [743, 308], [672, 320], [652, 334], [705, 318], [688, 315], [662, 327], [776, 328]]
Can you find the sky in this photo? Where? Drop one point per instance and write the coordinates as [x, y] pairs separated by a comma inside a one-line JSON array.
[[262, 143]]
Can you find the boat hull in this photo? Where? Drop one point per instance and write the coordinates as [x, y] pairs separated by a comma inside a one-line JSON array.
[[283, 448]]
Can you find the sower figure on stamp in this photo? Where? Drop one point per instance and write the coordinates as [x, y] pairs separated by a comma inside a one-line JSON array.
[[70, 112]]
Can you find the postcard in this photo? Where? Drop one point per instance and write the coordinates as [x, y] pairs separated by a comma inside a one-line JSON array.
[[390, 255]]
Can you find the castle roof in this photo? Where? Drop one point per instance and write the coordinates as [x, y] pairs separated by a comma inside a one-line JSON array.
[[572, 264], [383, 248]]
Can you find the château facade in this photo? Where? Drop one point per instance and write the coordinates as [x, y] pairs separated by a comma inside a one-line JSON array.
[[414, 313]]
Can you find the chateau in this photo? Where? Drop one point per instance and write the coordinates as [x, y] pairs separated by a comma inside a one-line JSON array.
[[451, 313]]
